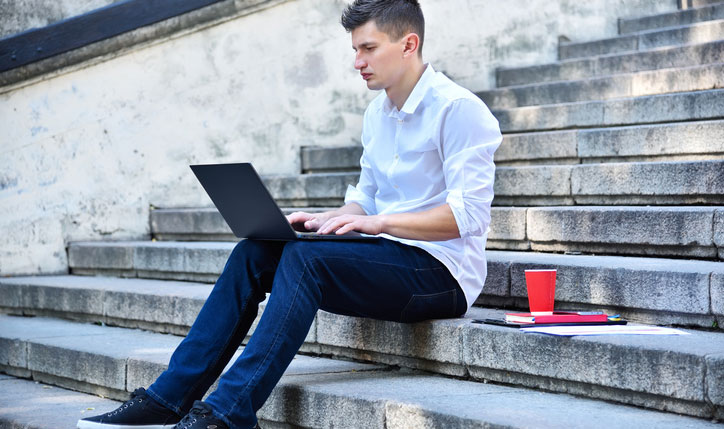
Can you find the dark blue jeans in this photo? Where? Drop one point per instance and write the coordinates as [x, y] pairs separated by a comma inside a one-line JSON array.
[[379, 279]]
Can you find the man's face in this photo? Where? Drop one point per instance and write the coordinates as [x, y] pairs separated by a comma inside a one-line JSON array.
[[379, 59]]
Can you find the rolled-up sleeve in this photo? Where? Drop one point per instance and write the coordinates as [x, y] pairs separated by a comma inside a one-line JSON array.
[[469, 137]]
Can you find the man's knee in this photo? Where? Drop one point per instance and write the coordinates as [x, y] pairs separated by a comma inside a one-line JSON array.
[[310, 259], [254, 257], [302, 258], [302, 266], [299, 253], [250, 250]]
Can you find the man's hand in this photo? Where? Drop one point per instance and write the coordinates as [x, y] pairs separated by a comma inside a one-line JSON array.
[[307, 222], [343, 224]]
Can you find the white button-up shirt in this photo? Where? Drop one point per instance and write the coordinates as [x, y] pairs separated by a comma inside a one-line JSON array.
[[437, 149]]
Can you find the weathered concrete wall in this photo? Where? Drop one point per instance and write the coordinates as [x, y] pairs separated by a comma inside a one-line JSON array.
[[20, 15], [86, 152], [471, 38]]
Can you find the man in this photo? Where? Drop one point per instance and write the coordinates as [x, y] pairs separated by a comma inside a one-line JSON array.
[[425, 187]]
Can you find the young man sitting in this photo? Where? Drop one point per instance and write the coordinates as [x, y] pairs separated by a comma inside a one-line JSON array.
[[426, 186]]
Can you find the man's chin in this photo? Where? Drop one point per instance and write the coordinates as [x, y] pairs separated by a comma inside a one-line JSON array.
[[374, 86]]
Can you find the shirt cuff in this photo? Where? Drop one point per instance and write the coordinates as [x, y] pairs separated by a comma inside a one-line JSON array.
[[354, 195], [455, 200]]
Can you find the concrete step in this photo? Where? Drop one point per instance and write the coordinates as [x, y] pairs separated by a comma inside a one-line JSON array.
[[637, 143], [675, 373], [701, 32], [200, 224], [611, 64], [632, 183], [658, 142], [32, 405], [674, 19], [664, 231], [631, 286], [163, 306], [317, 159], [310, 190], [683, 79], [688, 4], [184, 261], [649, 109], [647, 290], [694, 232]]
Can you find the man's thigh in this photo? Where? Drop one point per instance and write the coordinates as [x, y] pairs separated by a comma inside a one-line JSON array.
[[380, 279]]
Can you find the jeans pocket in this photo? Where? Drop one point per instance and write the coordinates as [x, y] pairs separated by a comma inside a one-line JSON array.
[[440, 305]]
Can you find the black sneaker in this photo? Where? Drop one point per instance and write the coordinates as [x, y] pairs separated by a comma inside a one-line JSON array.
[[201, 417], [139, 412]]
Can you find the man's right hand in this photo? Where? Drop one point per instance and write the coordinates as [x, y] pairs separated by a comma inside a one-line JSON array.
[[308, 222], [311, 222]]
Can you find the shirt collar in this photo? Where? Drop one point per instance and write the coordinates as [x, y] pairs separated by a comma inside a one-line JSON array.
[[415, 97]]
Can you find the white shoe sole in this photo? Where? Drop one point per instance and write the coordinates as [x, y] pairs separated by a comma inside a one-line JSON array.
[[84, 424]]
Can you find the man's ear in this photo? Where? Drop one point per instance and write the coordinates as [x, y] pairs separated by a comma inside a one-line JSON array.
[[412, 42]]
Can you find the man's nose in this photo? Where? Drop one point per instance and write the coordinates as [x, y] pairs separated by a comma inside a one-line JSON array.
[[359, 63]]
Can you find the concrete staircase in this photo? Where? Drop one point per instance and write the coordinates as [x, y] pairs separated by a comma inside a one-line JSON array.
[[611, 170]]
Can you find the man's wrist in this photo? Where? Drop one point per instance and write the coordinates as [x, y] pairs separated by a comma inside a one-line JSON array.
[[384, 223], [332, 214]]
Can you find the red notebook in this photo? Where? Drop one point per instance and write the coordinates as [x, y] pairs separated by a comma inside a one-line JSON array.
[[556, 317]]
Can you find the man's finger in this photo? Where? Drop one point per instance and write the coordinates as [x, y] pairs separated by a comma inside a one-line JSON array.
[[299, 220], [329, 223], [328, 226], [333, 224], [312, 224], [297, 217], [345, 229], [352, 225]]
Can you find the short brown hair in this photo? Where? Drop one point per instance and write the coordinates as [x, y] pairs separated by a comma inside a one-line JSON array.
[[394, 17]]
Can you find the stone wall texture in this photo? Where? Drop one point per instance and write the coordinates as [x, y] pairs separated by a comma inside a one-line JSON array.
[[20, 15], [85, 152]]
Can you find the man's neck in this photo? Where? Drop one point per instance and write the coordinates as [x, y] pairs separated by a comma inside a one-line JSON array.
[[401, 92]]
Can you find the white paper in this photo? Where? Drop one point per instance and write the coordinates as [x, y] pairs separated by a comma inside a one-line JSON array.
[[604, 330]]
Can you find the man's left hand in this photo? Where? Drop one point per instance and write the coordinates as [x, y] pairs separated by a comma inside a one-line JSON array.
[[343, 224]]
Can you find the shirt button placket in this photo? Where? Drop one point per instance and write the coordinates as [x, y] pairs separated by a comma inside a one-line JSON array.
[[396, 160]]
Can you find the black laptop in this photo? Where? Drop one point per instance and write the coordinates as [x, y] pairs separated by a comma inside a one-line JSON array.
[[249, 209]]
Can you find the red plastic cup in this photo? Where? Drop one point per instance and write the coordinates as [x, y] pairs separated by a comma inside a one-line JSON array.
[[541, 286]]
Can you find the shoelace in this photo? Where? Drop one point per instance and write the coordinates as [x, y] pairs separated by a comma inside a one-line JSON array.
[[136, 397], [192, 417]]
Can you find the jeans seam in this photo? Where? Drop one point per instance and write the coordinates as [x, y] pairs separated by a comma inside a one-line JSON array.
[[274, 342], [250, 299], [455, 303], [428, 295], [215, 361], [156, 397]]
